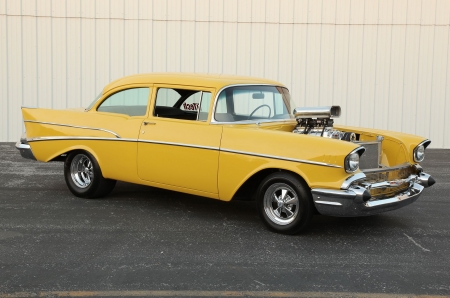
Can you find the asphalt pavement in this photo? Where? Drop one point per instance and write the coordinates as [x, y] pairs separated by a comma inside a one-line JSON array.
[[143, 241]]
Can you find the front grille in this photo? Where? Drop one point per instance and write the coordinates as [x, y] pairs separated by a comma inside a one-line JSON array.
[[371, 157], [380, 175]]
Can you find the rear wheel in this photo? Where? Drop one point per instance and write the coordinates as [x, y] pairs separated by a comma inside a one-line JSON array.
[[284, 203], [84, 177]]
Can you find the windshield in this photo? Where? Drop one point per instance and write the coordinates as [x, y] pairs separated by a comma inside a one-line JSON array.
[[244, 103], [95, 100]]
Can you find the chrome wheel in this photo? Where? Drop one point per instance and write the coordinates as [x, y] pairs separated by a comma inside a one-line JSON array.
[[81, 171], [281, 204]]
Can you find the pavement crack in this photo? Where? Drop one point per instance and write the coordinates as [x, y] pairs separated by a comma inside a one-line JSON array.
[[415, 243]]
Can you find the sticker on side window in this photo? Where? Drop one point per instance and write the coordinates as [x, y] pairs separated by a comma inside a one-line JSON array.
[[191, 106]]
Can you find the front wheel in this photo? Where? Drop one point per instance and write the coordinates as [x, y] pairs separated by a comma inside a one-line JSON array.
[[84, 177], [284, 203]]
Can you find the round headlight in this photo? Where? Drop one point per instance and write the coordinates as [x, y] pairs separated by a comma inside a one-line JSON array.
[[419, 153], [352, 162]]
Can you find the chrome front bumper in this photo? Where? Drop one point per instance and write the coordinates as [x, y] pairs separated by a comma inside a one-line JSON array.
[[24, 148], [357, 201]]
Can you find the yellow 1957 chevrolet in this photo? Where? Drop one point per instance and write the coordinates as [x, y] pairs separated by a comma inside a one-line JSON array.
[[226, 137]]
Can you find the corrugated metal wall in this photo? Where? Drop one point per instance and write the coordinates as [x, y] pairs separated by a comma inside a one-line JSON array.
[[385, 62]]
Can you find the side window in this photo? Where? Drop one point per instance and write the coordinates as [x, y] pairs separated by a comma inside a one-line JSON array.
[[131, 102], [182, 104]]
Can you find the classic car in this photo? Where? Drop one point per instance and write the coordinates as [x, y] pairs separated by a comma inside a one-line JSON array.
[[228, 137]]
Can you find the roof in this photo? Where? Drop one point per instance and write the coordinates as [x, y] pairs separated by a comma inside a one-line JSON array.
[[189, 79]]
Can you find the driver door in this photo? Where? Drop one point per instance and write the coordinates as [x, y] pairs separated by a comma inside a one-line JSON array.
[[177, 144]]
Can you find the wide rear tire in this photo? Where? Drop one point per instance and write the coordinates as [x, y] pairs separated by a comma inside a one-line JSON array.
[[84, 177], [284, 203]]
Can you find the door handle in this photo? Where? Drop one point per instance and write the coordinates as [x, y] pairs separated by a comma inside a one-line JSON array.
[[149, 123]]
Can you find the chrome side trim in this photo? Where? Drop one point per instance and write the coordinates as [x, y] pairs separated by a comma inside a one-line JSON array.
[[179, 144], [74, 126], [352, 179], [281, 158], [329, 203], [78, 138], [58, 138]]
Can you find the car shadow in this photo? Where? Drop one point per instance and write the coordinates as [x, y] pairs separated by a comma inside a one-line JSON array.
[[244, 212]]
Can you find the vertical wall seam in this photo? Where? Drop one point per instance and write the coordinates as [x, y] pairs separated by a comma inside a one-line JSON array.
[[167, 34], [362, 64], [432, 69], [237, 35], [320, 50], [51, 54], [22, 75], [390, 66], [138, 69], [278, 51], [195, 32], [153, 36], [446, 85], [404, 67], [292, 47], [306, 50], [348, 60], [265, 35], [95, 48], [251, 36], [124, 26], [7, 71], [418, 66], [81, 56], [376, 68], [334, 52], [67, 59], [37, 55]]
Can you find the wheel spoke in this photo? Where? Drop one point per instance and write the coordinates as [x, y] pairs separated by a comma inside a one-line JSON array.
[[289, 213], [276, 198], [291, 200], [278, 211], [283, 194]]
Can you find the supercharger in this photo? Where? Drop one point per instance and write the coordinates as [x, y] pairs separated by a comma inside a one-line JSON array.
[[317, 121]]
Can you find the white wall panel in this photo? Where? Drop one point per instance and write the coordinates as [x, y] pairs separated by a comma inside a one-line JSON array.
[[386, 62], [4, 73]]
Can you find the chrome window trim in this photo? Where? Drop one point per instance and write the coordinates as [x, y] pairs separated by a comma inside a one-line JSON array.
[[213, 119], [75, 126]]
